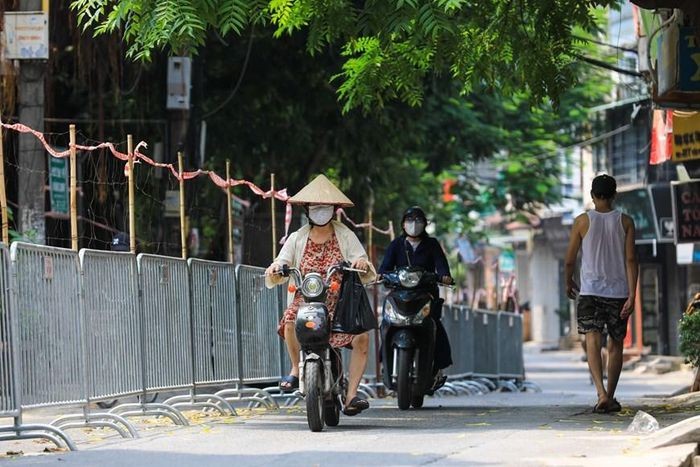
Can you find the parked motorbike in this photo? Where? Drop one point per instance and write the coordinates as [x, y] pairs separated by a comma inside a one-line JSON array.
[[321, 378], [408, 336]]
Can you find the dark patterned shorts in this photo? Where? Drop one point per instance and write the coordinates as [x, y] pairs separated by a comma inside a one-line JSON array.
[[597, 313]]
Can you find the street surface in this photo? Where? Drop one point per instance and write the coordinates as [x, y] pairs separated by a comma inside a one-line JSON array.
[[554, 427]]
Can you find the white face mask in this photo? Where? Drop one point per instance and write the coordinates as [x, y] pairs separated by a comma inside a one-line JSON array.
[[414, 228], [320, 215]]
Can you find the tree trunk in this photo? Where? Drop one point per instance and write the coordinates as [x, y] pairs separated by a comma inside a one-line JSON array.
[[32, 158], [696, 382]]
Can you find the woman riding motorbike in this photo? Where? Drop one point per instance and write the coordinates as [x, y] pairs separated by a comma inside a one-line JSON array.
[[416, 248], [316, 247]]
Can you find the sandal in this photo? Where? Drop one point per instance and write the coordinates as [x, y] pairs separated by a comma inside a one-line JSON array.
[[289, 383], [614, 406], [601, 407], [355, 406]]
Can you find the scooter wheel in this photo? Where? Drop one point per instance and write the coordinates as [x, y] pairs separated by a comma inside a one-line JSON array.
[[417, 401], [314, 398]]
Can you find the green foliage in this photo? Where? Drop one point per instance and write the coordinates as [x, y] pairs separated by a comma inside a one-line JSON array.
[[389, 48], [690, 337]]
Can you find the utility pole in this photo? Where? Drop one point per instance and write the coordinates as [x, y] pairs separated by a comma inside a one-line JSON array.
[[31, 154]]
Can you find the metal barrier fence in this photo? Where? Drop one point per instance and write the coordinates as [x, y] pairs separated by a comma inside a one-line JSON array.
[[9, 404], [214, 322], [112, 316], [165, 306], [47, 298], [260, 311], [94, 326]]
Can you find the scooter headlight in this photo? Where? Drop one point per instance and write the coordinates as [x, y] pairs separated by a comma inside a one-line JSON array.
[[399, 319], [312, 286], [409, 279]]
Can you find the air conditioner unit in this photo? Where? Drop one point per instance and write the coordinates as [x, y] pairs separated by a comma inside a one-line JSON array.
[[678, 68]]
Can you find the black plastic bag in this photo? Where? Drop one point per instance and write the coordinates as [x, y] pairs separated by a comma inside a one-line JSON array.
[[353, 314]]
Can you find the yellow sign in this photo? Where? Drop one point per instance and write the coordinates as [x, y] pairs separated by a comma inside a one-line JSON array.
[[686, 136]]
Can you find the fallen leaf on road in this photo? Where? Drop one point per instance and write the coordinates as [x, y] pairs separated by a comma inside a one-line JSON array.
[[563, 420], [55, 449], [481, 414], [478, 424], [597, 421], [545, 427], [14, 453]]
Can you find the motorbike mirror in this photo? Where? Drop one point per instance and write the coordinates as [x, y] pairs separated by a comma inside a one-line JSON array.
[[292, 288], [335, 286]]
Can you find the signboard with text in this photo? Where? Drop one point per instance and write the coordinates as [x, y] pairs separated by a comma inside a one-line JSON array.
[[58, 184], [686, 136], [26, 35], [636, 203], [686, 211]]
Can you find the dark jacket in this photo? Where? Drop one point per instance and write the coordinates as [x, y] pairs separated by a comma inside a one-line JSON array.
[[428, 255]]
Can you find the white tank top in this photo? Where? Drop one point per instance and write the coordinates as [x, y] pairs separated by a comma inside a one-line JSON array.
[[603, 271]]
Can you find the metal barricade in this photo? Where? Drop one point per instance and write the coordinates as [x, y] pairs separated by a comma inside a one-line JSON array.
[[47, 298], [214, 322], [9, 400], [465, 346], [111, 308], [511, 346], [165, 306], [26, 299], [259, 312], [486, 344]]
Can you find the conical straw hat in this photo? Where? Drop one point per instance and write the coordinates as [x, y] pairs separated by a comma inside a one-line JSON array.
[[321, 191]]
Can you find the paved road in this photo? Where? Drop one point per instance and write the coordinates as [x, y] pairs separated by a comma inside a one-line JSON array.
[[554, 427]]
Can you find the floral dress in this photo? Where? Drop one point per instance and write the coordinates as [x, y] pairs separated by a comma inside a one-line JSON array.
[[319, 257]]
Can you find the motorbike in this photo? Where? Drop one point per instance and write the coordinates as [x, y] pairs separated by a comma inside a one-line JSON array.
[[408, 337], [321, 379]]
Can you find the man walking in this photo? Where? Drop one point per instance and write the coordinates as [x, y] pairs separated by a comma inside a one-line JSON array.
[[608, 284]]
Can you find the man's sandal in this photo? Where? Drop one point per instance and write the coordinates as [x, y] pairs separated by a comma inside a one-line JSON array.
[[614, 406], [355, 406], [601, 407]]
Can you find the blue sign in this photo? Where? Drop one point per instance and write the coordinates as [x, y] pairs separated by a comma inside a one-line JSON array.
[[689, 60]]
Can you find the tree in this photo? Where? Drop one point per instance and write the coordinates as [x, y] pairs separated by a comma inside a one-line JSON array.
[[389, 48]]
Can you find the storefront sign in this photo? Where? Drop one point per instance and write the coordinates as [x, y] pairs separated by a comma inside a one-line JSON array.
[[506, 261], [636, 203], [686, 211], [686, 136]]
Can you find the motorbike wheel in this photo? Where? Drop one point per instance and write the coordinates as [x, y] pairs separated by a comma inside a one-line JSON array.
[[331, 413], [405, 378], [314, 397], [417, 401]]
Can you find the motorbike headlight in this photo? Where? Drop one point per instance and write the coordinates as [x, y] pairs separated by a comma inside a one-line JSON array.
[[312, 286], [409, 279]]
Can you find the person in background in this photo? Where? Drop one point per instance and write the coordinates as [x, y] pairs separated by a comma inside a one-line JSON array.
[[609, 274], [416, 248]]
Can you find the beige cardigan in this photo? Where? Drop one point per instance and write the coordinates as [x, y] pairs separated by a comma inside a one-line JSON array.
[[293, 249]]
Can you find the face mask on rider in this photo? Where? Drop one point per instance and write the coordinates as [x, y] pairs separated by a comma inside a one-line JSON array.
[[414, 228], [320, 215]]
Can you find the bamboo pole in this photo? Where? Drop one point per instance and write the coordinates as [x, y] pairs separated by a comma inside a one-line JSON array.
[[183, 233], [229, 238], [370, 251], [132, 200], [274, 220], [391, 230], [3, 196], [73, 191]]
